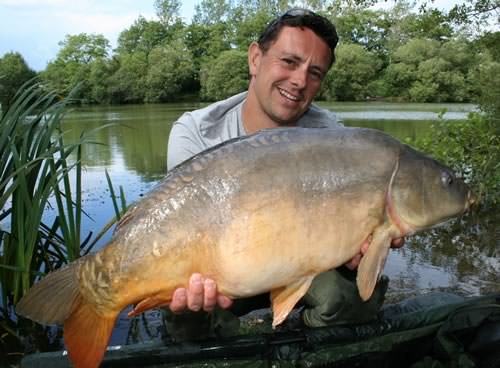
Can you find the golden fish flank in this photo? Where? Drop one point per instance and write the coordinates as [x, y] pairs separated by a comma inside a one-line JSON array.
[[266, 212]]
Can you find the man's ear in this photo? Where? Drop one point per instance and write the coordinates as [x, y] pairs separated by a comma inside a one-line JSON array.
[[254, 57]]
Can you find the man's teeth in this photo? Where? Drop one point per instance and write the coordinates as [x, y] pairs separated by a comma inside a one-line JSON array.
[[288, 95]]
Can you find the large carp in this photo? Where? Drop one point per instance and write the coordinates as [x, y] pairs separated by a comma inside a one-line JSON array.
[[265, 212]]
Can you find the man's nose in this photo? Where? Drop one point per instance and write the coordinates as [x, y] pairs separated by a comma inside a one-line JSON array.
[[299, 78]]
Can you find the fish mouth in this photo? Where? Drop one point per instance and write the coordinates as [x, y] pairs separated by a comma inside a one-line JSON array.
[[290, 96], [470, 203]]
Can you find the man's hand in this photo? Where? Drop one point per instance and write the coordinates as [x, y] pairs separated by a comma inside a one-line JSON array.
[[354, 262], [200, 294]]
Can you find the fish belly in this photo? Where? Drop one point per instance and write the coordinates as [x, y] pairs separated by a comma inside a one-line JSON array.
[[285, 238]]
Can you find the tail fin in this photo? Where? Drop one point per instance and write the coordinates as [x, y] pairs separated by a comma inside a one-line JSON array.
[[86, 334], [57, 299], [52, 299]]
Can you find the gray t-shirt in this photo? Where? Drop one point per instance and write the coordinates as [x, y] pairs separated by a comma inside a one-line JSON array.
[[201, 129]]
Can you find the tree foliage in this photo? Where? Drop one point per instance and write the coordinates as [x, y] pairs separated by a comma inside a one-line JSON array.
[[487, 86], [429, 71], [167, 11], [128, 83], [476, 12], [170, 71], [411, 51], [210, 12], [14, 72], [351, 74], [361, 26], [73, 64], [225, 76], [142, 36]]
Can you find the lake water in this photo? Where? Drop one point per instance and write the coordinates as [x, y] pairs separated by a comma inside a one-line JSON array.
[[134, 150]]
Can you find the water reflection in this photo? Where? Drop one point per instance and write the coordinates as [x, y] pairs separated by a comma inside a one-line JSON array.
[[137, 137]]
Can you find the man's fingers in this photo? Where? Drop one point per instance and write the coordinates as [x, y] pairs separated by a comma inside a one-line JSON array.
[[397, 243], [200, 294], [354, 262], [210, 295], [223, 301], [195, 293], [179, 301]]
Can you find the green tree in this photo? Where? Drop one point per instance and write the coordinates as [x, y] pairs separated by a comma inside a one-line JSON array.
[[83, 48], [247, 26], [273, 8], [486, 86], [128, 83], [429, 24], [225, 76], [14, 72], [351, 74], [206, 42], [73, 64], [210, 12], [428, 71], [100, 73], [477, 12], [401, 74], [170, 72], [358, 25], [490, 42], [142, 36], [167, 11]]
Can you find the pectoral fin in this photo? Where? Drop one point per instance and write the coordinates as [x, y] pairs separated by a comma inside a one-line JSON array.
[[284, 299], [372, 263], [154, 301]]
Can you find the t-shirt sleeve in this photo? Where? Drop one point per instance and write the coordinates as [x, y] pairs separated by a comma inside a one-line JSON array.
[[182, 142]]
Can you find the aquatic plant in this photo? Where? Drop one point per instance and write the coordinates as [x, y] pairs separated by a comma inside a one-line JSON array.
[[39, 172]]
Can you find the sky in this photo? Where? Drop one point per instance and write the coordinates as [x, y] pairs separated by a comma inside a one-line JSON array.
[[35, 27]]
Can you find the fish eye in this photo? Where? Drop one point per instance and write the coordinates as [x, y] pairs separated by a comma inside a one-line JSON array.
[[446, 179]]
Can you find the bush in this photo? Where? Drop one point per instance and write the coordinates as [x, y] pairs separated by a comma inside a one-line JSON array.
[[351, 75], [224, 76], [14, 72], [472, 149], [487, 86], [170, 70]]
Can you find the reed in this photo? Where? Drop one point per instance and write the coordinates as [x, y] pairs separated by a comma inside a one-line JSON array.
[[37, 174]]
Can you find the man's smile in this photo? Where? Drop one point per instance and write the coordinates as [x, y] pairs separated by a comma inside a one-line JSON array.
[[288, 95]]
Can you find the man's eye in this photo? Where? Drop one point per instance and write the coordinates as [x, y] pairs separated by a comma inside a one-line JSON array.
[[288, 61], [317, 75]]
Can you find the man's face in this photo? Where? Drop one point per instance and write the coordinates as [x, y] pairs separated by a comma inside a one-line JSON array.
[[287, 77]]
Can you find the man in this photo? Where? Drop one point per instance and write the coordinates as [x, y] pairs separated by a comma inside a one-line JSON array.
[[287, 66]]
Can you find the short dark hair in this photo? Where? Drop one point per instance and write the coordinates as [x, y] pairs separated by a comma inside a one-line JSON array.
[[298, 17]]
